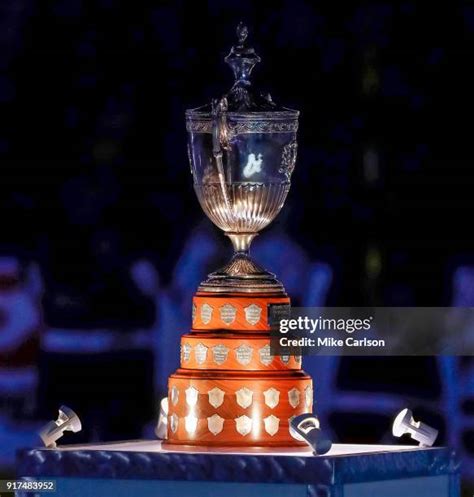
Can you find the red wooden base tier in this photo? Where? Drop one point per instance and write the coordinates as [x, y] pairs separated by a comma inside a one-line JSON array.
[[230, 391]]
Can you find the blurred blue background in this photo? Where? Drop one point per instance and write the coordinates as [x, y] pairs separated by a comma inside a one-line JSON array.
[[103, 242]]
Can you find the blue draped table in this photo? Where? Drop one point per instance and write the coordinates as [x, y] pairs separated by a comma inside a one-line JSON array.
[[143, 468]]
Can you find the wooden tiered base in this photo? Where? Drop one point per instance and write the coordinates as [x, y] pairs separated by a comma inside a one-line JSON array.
[[230, 391]]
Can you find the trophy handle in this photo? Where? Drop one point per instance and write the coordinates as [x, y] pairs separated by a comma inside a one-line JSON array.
[[220, 134]]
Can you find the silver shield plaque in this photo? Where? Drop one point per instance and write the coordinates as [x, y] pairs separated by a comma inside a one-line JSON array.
[[294, 397], [206, 313], [215, 424], [200, 352], [190, 423], [216, 397], [244, 397], [285, 358], [186, 352], [298, 359], [228, 313], [194, 312], [272, 423], [265, 356], [272, 397], [174, 422], [220, 353], [243, 425], [253, 314], [308, 396], [174, 395], [191, 396], [244, 354]]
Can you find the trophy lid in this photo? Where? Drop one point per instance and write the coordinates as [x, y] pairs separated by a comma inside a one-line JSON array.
[[243, 98]]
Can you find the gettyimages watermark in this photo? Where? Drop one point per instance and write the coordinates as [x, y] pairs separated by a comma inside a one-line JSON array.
[[315, 328], [373, 331]]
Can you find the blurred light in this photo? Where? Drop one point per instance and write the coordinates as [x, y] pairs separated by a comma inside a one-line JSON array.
[[21, 319], [373, 262], [93, 341], [319, 284], [34, 280], [370, 80], [145, 277], [9, 267], [17, 381], [371, 165], [463, 287], [106, 151]]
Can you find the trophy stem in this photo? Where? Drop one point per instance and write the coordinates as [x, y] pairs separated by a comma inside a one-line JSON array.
[[241, 273], [241, 242]]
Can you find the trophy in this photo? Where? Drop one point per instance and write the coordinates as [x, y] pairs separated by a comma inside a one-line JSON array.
[[230, 390]]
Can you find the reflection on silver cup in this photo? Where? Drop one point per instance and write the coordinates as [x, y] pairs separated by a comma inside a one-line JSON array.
[[252, 205]]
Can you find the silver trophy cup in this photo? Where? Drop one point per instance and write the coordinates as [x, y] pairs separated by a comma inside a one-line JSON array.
[[242, 151]]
